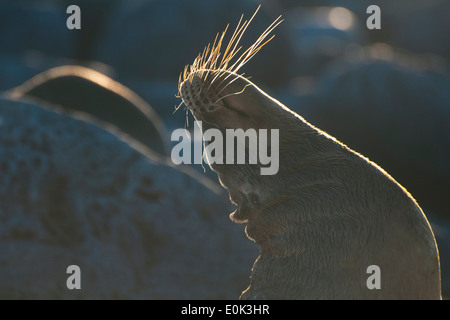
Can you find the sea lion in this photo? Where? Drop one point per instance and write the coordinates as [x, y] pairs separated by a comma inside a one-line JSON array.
[[328, 215], [86, 90]]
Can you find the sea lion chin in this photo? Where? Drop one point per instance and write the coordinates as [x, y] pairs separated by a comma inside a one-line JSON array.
[[327, 216]]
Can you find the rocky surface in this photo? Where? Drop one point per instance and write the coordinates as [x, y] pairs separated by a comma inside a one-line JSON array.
[[74, 194], [81, 89]]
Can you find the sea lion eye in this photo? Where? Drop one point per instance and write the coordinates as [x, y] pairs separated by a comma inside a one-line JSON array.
[[253, 199]]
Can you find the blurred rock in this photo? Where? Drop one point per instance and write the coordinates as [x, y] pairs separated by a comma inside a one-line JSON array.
[[416, 25], [94, 14], [156, 39], [74, 194], [16, 69], [40, 26], [319, 35], [162, 95], [26, 26], [85, 90], [420, 26]]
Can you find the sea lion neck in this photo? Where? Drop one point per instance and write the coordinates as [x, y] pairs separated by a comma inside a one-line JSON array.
[[283, 226]]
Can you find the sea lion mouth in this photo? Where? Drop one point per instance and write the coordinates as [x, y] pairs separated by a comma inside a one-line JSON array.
[[247, 205]]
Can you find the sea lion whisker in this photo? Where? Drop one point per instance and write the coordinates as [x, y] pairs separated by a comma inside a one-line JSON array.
[[204, 55], [236, 35], [213, 53], [232, 94], [229, 75], [250, 52], [186, 119], [235, 39], [208, 61], [178, 107], [249, 56], [245, 25], [219, 72], [203, 154], [230, 43], [221, 90]]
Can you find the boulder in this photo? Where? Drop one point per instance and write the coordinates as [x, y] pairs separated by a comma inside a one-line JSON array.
[[72, 193], [76, 88]]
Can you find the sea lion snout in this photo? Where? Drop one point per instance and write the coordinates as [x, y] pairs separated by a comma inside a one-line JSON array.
[[224, 100], [198, 98]]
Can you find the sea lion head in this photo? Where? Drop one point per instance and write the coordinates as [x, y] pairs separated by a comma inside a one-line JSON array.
[[222, 101]]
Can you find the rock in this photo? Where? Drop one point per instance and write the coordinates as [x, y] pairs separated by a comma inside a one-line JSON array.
[[74, 194], [162, 95], [40, 26], [77, 88], [319, 35], [28, 26], [14, 70], [419, 26], [415, 25]]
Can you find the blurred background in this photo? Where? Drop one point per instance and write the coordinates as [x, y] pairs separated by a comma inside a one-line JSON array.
[[385, 93]]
